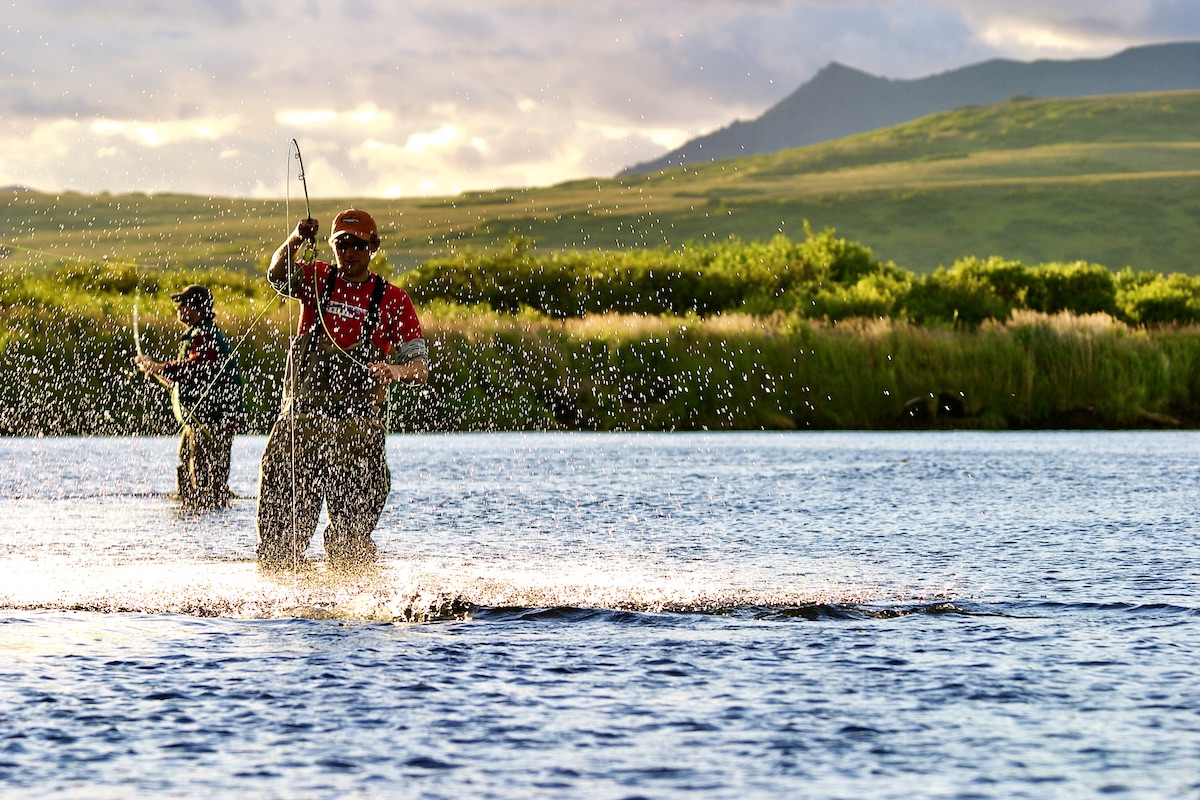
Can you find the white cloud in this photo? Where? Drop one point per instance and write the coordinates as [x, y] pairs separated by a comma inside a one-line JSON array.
[[364, 115], [1032, 29], [156, 134], [439, 96], [306, 119], [1043, 40], [445, 135], [369, 114], [667, 139]]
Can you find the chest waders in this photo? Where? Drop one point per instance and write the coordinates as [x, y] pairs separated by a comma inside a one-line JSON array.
[[207, 407], [200, 402], [326, 379], [327, 448]]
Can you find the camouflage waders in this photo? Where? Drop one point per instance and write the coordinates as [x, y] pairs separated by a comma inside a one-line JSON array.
[[208, 409], [328, 446], [202, 476], [340, 462]]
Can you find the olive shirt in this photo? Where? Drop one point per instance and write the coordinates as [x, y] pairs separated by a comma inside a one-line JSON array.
[[207, 383]]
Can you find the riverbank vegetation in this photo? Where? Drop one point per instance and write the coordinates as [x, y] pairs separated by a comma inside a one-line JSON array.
[[822, 277], [811, 334]]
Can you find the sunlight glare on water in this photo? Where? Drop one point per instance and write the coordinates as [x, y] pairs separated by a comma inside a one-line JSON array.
[[392, 591], [530, 528]]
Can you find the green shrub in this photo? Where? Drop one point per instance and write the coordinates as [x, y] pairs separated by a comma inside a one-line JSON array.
[[955, 296], [1079, 287], [873, 296], [704, 279], [1149, 299]]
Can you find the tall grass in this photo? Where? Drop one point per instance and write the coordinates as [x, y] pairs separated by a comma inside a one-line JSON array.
[[623, 372], [742, 372], [66, 342]]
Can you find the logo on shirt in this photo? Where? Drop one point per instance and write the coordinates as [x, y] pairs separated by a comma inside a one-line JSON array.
[[346, 311]]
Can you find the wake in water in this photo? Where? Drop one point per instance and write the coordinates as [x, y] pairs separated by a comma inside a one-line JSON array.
[[397, 592]]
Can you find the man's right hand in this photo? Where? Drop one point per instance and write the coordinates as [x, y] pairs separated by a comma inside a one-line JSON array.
[[147, 364], [284, 259], [307, 228]]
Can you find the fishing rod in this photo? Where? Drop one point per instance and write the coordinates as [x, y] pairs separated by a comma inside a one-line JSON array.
[[308, 257], [291, 367], [309, 254], [137, 341], [310, 251]]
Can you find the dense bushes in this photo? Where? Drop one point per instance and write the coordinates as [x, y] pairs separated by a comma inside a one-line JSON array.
[[823, 277], [756, 277], [777, 334], [1148, 298]]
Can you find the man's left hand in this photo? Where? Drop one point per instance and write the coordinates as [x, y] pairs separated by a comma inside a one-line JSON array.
[[383, 372]]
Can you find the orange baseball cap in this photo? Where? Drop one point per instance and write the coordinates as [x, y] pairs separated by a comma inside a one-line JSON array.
[[356, 222]]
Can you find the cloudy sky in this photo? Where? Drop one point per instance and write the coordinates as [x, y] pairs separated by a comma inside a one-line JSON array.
[[436, 97]]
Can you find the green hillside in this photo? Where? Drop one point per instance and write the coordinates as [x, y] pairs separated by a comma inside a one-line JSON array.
[[1108, 180]]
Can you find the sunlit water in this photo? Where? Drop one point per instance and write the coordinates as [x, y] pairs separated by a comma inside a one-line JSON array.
[[755, 615]]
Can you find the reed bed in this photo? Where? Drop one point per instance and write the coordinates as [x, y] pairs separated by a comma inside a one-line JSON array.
[[65, 351], [68, 374]]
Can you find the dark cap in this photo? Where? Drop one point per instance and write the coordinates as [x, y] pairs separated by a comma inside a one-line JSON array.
[[195, 296]]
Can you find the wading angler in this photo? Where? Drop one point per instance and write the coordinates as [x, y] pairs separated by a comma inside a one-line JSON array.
[[357, 334], [206, 396]]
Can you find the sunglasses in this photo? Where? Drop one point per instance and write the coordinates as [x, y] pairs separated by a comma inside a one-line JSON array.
[[351, 243]]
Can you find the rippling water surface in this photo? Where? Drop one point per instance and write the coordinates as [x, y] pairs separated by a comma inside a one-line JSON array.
[[759, 615]]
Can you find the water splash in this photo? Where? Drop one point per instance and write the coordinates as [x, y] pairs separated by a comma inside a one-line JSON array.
[[391, 592]]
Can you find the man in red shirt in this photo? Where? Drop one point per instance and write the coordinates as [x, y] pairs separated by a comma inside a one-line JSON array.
[[357, 334]]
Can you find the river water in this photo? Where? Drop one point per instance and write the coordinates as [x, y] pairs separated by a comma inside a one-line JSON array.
[[735, 615]]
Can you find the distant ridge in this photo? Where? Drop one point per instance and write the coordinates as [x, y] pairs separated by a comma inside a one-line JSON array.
[[840, 101]]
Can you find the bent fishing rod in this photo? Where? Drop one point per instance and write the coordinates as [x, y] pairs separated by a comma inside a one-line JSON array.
[[310, 251], [309, 254]]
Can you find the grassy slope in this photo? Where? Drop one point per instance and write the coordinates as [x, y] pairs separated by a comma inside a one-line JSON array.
[[1109, 180]]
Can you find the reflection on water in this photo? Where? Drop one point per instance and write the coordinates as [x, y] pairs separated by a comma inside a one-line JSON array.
[[655, 521]]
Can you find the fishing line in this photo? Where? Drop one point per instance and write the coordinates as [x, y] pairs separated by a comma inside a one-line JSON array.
[[233, 353], [290, 365], [309, 257], [137, 342]]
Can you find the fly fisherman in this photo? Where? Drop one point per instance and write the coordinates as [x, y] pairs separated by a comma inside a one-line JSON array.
[[357, 334], [207, 398]]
